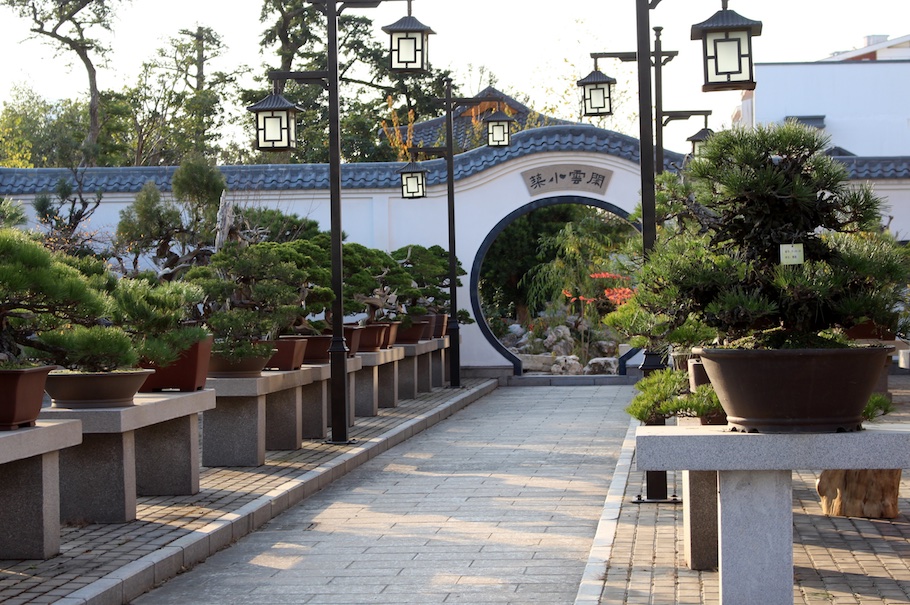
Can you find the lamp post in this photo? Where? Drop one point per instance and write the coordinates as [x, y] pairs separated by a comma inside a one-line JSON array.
[[413, 185], [276, 129], [727, 44], [701, 135]]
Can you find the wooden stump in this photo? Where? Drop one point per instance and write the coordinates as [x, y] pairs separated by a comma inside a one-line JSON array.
[[860, 493]]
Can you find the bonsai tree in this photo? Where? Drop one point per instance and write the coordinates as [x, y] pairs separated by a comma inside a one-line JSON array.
[[252, 293], [373, 281], [765, 242], [39, 292], [158, 317], [429, 272]]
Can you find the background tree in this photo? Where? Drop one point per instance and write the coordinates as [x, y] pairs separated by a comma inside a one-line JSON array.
[[68, 24], [37, 133]]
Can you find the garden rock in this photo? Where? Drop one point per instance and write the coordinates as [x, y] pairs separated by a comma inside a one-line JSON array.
[[567, 365], [602, 365], [559, 340]]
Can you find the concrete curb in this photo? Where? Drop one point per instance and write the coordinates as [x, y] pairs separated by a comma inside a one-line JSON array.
[[138, 577], [592, 582]]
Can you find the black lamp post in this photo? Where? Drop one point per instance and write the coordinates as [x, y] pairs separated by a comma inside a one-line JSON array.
[[670, 116], [413, 185], [276, 128]]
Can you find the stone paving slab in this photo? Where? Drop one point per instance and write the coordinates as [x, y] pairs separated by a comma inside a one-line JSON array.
[[114, 563], [498, 504]]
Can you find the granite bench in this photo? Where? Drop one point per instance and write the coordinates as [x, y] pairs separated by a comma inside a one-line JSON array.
[[148, 449], [415, 369], [30, 492], [376, 383], [754, 491]]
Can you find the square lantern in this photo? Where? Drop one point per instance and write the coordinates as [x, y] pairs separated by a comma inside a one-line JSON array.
[[413, 181], [409, 38], [597, 94], [698, 140], [276, 123], [727, 44], [499, 129]]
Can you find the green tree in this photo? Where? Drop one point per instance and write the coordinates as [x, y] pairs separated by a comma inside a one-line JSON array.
[[37, 133], [69, 24], [514, 253]]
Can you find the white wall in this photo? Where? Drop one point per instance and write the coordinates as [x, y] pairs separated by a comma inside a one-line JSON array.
[[864, 102]]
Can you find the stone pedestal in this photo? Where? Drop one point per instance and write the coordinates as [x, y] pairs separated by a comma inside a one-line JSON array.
[[415, 368], [754, 498], [370, 391], [236, 432], [700, 519], [30, 493], [153, 444], [438, 362], [314, 403]]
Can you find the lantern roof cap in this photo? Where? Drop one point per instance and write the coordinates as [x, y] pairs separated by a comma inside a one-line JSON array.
[[408, 24], [499, 116], [274, 102], [725, 19], [596, 77], [701, 135]]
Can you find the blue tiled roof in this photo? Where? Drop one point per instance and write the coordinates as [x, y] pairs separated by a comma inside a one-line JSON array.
[[380, 175]]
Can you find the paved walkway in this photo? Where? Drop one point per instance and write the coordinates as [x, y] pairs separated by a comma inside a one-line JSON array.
[[497, 504]]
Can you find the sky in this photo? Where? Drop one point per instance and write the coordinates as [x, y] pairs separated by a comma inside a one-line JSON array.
[[536, 48]]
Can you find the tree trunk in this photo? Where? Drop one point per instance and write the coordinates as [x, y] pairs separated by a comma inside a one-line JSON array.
[[860, 493]]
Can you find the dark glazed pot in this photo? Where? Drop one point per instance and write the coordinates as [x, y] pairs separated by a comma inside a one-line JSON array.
[[317, 348], [186, 374], [250, 367], [81, 390], [372, 337], [412, 334], [794, 390], [289, 354], [22, 395]]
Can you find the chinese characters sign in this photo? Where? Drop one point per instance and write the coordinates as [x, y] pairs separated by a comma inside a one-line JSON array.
[[561, 177]]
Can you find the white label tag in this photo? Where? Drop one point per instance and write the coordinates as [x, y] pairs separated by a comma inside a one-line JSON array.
[[791, 254]]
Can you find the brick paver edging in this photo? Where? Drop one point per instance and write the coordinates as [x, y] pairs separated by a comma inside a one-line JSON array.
[[592, 581], [136, 577]]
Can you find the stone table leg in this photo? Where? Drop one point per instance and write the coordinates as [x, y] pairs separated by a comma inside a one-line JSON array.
[[167, 458], [424, 373], [388, 385], [283, 424], [700, 519], [407, 378], [314, 420], [755, 511], [30, 508], [438, 363], [98, 479], [233, 433], [366, 390]]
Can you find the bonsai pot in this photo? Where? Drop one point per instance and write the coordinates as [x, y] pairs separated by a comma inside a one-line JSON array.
[[442, 322], [429, 329], [352, 335], [391, 334], [412, 334], [186, 374], [85, 390], [23, 394], [248, 367], [794, 390], [289, 354], [317, 347], [372, 337]]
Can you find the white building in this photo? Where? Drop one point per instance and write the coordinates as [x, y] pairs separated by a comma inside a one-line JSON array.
[[858, 98]]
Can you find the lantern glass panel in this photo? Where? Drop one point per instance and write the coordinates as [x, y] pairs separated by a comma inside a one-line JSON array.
[[498, 134], [276, 130], [413, 185], [408, 50], [728, 57], [597, 100]]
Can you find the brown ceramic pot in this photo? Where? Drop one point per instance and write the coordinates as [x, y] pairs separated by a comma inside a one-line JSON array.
[[23, 394], [188, 373], [81, 390]]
